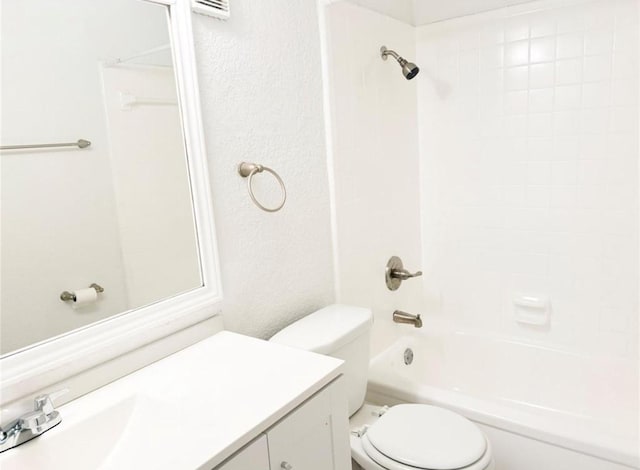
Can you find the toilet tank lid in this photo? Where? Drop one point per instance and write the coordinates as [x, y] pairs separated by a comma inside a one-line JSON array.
[[327, 329]]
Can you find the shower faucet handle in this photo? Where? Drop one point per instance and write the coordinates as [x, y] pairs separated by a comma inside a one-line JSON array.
[[403, 274], [395, 273]]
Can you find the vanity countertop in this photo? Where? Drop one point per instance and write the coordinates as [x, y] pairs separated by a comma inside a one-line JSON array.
[[190, 410]]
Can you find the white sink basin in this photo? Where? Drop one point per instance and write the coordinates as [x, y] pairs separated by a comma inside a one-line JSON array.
[[91, 436]]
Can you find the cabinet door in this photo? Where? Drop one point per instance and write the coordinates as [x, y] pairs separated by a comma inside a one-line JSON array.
[[253, 456], [315, 436]]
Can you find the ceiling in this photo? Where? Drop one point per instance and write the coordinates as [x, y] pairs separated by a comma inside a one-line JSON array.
[[419, 12]]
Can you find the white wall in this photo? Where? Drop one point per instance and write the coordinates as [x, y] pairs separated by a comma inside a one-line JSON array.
[[261, 91], [375, 161], [529, 154]]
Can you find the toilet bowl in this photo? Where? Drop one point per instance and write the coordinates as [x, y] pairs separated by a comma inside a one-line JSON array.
[[402, 437], [417, 437]]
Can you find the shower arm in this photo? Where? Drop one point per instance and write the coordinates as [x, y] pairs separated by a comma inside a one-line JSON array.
[[384, 52]]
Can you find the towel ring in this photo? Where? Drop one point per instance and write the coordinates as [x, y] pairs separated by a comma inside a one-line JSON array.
[[249, 170]]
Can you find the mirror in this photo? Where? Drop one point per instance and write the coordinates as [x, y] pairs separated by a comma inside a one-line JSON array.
[[115, 211]]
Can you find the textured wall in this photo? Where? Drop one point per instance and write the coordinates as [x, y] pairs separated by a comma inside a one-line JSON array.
[[261, 91], [529, 144], [375, 161]]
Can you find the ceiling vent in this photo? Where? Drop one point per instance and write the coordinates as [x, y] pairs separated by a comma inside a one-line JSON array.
[[216, 8]]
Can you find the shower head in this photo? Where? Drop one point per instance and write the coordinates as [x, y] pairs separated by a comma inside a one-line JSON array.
[[409, 69]]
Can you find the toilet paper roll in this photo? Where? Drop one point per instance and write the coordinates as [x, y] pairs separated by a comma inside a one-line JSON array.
[[85, 297]]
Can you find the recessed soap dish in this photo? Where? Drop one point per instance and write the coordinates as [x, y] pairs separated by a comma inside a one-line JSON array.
[[532, 309]]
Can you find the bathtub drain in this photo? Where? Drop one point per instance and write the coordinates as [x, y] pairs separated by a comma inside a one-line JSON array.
[[408, 356]]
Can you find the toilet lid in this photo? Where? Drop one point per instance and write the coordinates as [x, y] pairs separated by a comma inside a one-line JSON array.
[[427, 437]]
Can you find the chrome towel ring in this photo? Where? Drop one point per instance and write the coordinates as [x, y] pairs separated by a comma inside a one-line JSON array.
[[249, 170]]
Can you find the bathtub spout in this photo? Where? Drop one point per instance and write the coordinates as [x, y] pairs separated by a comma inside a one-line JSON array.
[[408, 318]]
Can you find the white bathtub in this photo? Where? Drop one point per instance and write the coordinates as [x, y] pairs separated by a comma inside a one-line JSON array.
[[543, 409]]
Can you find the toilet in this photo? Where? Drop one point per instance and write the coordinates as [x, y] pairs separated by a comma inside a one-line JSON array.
[[400, 437]]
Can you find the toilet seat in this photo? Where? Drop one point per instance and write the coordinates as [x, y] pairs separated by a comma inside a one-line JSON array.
[[389, 464], [423, 437]]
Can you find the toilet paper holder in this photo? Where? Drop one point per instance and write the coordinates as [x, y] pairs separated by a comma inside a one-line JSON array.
[[67, 296]]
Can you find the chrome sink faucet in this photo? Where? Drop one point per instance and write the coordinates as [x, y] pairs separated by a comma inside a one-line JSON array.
[[36, 422]]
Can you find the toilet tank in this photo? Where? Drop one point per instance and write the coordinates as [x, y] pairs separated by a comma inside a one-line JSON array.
[[340, 331]]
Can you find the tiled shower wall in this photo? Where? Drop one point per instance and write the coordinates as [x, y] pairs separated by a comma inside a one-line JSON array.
[[374, 161], [528, 130]]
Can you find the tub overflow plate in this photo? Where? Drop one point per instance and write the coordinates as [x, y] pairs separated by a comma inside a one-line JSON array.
[[408, 356]]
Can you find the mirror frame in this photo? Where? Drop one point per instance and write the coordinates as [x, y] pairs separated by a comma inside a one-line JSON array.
[[30, 369]]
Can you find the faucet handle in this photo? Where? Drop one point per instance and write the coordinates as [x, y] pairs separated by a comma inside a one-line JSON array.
[[34, 421], [32, 424], [403, 274], [44, 402], [395, 273], [44, 415]]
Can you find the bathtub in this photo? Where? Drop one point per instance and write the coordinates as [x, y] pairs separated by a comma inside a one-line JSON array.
[[543, 409]]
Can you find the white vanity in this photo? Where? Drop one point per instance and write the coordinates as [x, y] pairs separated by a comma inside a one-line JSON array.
[[229, 402]]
